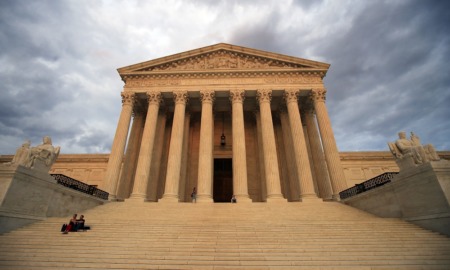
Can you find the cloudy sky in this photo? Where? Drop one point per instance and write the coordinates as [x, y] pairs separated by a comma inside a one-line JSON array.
[[389, 61]]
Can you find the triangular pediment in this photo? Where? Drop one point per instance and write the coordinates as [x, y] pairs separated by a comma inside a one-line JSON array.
[[221, 57]]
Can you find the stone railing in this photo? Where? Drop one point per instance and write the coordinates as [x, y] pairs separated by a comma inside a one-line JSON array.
[[80, 186], [368, 185]]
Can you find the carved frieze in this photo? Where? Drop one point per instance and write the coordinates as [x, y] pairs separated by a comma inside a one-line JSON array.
[[262, 78], [223, 59]]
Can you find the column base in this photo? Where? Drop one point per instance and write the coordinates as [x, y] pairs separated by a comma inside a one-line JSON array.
[[169, 198], [204, 199], [311, 199], [276, 199], [136, 198], [336, 197], [243, 199], [112, 198]]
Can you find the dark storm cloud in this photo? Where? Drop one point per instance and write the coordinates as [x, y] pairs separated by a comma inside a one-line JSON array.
[[44, 73], [258, 36], [389, 73], [308, 4], [389, 69]]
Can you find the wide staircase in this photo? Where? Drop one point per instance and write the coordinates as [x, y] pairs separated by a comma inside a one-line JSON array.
[[322, 235]]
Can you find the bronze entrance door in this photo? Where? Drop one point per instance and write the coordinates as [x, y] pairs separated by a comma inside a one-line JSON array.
[[223, 180]]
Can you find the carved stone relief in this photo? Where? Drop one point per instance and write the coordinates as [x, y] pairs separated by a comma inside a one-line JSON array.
[[263, 79], [223, 60]]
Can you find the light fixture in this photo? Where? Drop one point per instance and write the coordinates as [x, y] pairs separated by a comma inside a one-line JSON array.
[[222, 138]]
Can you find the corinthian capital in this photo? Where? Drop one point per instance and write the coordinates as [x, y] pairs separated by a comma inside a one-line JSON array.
[[207, 96], [154, 98], [264, 95], [237, 96], [127, 98], [291, 95], [180, 97], [318, 95]]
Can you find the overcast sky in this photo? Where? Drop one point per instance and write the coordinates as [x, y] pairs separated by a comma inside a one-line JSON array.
[[390, 62]]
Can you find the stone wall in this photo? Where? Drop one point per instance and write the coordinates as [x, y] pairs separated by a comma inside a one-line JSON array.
[[420, 195], [27, 196]]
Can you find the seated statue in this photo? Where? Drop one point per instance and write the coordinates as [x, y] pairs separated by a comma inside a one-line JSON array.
[[42, 156], [21, 156], [410, 152], [428, 150]]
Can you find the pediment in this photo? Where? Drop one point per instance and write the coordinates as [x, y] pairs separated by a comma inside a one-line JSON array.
[[221, 57]]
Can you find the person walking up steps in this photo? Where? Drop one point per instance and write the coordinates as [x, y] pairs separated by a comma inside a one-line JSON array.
[[194, 195]]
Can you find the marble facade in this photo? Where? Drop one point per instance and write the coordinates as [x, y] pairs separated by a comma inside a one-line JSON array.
[[182, 106]]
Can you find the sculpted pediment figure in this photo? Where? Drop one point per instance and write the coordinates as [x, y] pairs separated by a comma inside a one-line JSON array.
[[223, 60], [223, 57], [410, 152]]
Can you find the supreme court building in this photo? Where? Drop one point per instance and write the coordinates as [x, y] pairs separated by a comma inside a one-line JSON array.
[[227, 120]]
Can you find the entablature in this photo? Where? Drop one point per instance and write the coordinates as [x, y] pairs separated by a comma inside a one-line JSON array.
[[228, 80]]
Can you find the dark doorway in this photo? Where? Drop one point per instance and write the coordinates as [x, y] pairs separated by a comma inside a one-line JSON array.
[[223, 180]]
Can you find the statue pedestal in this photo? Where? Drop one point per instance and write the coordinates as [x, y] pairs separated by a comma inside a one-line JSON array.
[[420, 195]]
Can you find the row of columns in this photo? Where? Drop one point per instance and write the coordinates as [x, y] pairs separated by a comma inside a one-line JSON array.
[[303, 167]]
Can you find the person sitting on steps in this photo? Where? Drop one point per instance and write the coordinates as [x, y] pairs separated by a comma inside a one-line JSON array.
[[80, 224], [72, 224]]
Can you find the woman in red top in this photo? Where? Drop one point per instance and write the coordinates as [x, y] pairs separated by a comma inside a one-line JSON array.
[[71, 225]]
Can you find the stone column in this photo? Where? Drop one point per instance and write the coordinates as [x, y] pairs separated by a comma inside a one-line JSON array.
[[336, 173], [320, 166], [240, 184], [205, 159], [262, 170], [146, 150], [185, 158], [131, 156], [269, 147], [118, 146], [175, 149], [300, 151], [155, 167], [294, 184]]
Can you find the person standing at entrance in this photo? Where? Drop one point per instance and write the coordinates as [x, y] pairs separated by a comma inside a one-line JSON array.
[[194, 195], [233, 199]]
